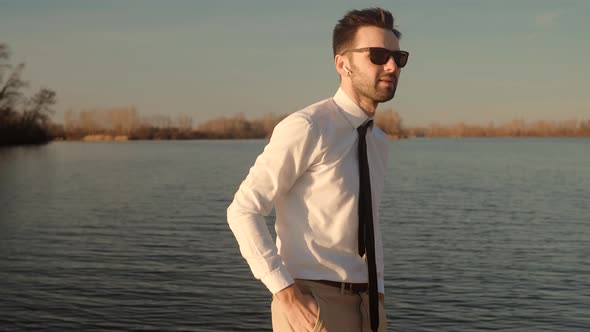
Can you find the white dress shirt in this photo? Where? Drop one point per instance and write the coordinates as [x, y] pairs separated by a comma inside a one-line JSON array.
[[309, 172]]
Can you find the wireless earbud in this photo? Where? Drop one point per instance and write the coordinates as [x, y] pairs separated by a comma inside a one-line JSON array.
[[347, 70]]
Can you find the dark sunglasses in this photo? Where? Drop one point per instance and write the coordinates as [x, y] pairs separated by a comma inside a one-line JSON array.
[[380, 56]]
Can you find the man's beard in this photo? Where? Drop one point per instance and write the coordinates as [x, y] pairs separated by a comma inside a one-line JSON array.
[[370, 88]]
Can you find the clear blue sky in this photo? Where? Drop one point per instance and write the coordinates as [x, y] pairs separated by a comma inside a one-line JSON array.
[[471, 61]]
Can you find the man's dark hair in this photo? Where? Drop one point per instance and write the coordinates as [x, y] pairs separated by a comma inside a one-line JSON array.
[[345, 30]]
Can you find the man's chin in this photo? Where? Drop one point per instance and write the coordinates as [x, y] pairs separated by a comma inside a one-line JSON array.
[[384, 97]]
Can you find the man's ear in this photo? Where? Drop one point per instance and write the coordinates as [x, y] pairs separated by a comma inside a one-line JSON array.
[[341, 66]]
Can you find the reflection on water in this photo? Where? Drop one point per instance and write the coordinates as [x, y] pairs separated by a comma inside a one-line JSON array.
[[480, 234]]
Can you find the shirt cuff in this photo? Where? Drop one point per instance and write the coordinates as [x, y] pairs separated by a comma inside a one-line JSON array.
[[277, 280]]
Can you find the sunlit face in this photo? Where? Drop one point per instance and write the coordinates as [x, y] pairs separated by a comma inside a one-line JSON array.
[[374, 82]]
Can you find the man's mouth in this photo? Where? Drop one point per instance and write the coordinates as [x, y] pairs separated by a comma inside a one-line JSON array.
[[387, 79]]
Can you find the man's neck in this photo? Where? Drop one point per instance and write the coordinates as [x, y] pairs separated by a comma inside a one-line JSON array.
[[367, 105]]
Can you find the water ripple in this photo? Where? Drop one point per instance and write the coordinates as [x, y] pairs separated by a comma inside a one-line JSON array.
[[117, 240]]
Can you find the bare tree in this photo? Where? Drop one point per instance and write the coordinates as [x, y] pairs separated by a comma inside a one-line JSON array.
[[39, 108], [11, 95], [22, 120]]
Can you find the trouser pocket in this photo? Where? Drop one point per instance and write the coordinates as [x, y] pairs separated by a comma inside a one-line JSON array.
[[318, 322], [280, 322]]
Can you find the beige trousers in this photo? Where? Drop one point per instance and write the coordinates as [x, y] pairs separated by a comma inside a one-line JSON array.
[[339, 310]]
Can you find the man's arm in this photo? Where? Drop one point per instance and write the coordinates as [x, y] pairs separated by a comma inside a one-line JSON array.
[[289, 154]]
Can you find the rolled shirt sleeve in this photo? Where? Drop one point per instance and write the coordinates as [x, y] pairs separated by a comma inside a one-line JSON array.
[[289, 154]]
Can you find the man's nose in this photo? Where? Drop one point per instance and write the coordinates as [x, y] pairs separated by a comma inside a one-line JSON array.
[[390, 65]]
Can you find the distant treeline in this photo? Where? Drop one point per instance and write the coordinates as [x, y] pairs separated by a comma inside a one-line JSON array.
[[127, 123], [392, 124], [23, 120], [514, 128]]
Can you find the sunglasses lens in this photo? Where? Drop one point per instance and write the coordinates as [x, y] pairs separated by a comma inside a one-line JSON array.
[[380, 56], [401, 58]]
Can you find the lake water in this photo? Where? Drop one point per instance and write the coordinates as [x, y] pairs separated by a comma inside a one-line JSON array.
[[479, 235]]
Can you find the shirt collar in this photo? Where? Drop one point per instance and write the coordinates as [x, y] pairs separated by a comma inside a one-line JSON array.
[[352, 112]]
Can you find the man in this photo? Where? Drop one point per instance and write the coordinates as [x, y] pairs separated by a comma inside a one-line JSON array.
[[323, 171]]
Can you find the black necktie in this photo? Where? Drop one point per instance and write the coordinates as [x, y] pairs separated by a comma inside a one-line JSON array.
[[366, 240]]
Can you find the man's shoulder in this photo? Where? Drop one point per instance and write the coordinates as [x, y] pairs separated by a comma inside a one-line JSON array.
[[308, 123], [313, 119], [317, 113]]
